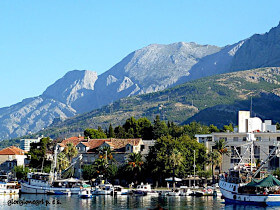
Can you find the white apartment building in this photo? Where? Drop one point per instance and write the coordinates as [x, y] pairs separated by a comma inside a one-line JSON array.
[[267, 137], [25, 143]]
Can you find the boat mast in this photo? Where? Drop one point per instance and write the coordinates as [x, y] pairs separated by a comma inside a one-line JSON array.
[[194, 168]]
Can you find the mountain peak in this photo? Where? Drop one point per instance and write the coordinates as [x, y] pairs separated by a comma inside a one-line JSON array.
[[73, 85]]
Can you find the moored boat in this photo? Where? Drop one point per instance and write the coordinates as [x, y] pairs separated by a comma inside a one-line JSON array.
[[103, 189], [241, 187], [119, 190], [85, 193], [7, 188], [145, 189]]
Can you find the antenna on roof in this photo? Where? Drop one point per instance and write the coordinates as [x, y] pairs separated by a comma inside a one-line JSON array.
[[251, 108]]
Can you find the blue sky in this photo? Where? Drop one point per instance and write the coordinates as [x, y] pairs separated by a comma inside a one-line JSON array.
[[42, 40]]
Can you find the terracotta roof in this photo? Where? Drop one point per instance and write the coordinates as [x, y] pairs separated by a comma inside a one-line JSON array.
[[114, 143], [94, 143], [12, 151], [119, 143], [74, 140]]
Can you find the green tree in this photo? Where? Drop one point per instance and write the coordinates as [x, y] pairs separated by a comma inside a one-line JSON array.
[[175, 130], [278, 126], [228, 128], [20, 172], [176, 160], [161, 158], [214, 158], [89, 172], [131, 128], [120, 132], [195, 128], [62, 161], [94, 134], [70, 151], [135, 165], [111, 133], [160, 128], [220, 146], [213, 129], [38, 153], [145, 128]]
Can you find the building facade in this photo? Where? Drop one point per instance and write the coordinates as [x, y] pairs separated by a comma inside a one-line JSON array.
[[11, 157], [266, 139], [25, 143]]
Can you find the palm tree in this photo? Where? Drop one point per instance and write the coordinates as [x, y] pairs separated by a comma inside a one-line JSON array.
[[176, 159], [220, 145], [70, 151], [214, 158], [135, 164], [104, 162], [62, 161], [106, 153]]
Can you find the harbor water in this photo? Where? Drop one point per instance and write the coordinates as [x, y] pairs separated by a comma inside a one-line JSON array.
[[31, 201]]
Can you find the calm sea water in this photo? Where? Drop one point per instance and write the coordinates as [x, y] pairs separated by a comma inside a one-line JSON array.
[[120, 202]]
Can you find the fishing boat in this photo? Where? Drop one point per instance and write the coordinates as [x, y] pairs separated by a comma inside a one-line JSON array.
[[48, 183], [240, 185], [41, 183]]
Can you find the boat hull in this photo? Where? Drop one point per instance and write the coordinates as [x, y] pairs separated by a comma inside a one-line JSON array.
[[9, 191], [31, 189], [231, 195]]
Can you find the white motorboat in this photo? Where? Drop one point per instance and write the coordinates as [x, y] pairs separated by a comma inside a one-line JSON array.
[[103, 189], [175, 192], [119, 190], [145, 189], [8, 188], [85, 193]]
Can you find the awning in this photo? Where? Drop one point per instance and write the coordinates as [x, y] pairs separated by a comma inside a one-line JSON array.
[[171, 179], [269, 181]]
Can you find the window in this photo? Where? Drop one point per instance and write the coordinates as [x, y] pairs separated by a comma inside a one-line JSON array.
[[258, 138], [257, 151], [225, 138], [244, 138], [278, 138], [142, 147], [235, 138]]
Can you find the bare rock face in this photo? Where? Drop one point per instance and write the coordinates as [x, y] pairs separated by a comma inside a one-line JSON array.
[[150, 69], [74, 87]]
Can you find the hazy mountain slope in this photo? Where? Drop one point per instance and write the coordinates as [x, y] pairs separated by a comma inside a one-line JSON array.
[[31, 115], [230, 91]]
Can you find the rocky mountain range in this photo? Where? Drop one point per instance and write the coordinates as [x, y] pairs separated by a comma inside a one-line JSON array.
[[210, 100], [150, 69]]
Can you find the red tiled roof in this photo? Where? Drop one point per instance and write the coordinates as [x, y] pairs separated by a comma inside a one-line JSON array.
[[12, 151], [119, 143], [74, 140], [94, 143], [115, 143]]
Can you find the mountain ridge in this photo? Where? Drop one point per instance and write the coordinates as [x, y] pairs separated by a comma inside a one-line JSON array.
[[150, 69]]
